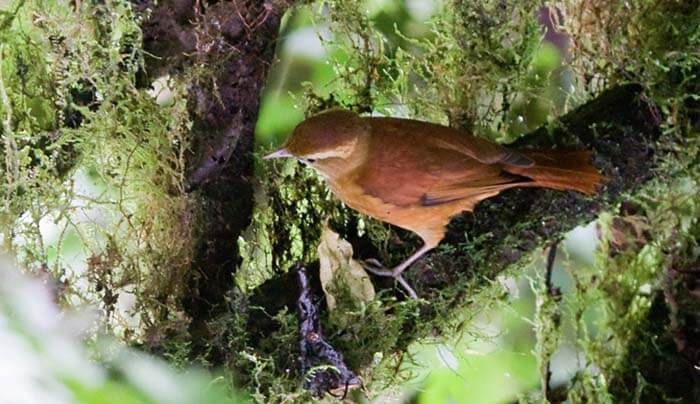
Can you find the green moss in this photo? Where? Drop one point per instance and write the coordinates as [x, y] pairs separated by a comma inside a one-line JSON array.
[[96, 156], [547, 324], [70, 111], [292, 206], [626, 340]]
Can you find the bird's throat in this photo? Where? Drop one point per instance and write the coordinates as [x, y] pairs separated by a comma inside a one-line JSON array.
[[353, 158]]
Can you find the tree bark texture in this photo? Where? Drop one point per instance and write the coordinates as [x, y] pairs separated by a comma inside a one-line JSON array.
[[223, 50]]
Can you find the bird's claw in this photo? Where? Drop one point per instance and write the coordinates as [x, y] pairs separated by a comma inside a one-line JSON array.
[[411, 293], [375, 267], [372, 265]]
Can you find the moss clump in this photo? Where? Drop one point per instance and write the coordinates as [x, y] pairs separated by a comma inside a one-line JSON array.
[[481, 67], [292, 205], [90, 152]]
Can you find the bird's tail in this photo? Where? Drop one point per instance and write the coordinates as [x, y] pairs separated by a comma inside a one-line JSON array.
[[561, 169]]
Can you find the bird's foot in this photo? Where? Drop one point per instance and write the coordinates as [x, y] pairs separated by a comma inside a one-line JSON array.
[[376, 267]]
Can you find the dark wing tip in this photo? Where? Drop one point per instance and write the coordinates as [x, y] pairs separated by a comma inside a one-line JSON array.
[[514, 158], [430, 200]]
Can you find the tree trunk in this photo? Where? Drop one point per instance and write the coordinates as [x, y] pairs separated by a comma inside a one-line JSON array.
[[223, 51]]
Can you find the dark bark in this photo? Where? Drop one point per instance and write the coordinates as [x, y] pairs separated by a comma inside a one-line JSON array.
[[670, 367], [225, 50], [553, 293], [673, 324]]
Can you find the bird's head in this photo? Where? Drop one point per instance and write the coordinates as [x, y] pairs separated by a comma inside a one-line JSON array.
[[332, 134]]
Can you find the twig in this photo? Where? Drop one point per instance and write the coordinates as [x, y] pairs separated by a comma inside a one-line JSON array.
[[554, 294], [551, 257]]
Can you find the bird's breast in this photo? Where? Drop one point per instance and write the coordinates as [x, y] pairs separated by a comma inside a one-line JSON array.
[[426, 221]]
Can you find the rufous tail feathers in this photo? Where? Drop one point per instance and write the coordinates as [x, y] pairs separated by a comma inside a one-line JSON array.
[[561, 169]]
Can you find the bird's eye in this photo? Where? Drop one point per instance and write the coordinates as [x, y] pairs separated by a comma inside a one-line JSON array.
[[311, 161]]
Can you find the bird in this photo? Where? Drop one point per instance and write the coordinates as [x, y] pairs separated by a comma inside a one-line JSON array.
[[417, 175]]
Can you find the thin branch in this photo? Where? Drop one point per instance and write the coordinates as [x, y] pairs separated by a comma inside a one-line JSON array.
[[551, 257], [552, 293]]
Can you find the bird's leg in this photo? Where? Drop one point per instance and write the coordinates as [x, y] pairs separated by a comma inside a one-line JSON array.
[[376, 268]]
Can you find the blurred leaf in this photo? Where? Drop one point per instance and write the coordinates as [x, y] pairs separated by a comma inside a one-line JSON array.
[[278, 116], [108, 393], [496, 377], [546, 59], [45, 360]]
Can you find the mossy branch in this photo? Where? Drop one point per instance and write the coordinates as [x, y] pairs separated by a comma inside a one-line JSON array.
[[620, 126]]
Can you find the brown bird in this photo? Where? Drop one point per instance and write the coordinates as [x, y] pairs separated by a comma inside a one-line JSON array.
[[417, 175]]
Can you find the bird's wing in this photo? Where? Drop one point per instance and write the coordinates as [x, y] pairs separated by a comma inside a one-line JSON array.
[[477, 148], [484, 151], [407, 167], [469, 194], [445, 137]]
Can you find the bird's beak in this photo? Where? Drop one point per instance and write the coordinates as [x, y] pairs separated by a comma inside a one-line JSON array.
[[278, 154]]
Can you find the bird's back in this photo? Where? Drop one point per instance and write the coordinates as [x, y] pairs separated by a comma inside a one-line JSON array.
[[417, 175], [406, 178]]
